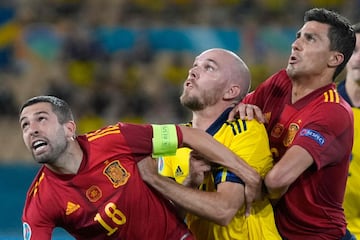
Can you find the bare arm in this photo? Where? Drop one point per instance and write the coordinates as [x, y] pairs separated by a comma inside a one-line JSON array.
[[217, 153], [295, 161], [219, 207]]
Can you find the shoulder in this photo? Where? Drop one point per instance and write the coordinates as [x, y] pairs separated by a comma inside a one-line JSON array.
[[332, 112], [239, 126], [279, 77], [41, 191], [242, 132], [276, 85]]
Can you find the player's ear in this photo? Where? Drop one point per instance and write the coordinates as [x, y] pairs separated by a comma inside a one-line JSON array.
[[232, 92], [70, 129], [336, 59]]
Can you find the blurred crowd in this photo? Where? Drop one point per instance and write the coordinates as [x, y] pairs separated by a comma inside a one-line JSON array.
[[126, 59]]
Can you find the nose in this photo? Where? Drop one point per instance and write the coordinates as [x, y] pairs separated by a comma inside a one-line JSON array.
[[296, 45], [33, 129], [193, 73]]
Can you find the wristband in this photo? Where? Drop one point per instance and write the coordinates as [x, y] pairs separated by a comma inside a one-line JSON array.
[[165, 140]]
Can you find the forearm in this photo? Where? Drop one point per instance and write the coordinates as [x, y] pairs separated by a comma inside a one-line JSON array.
[[207, 205], [217, 153], [285, 172]]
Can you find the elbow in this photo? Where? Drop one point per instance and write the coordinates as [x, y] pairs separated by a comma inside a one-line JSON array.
[[271, 181], [224, 217], [275, 185]]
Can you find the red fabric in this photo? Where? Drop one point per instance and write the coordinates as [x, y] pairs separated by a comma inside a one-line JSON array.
[[107, 199], [321, 123]]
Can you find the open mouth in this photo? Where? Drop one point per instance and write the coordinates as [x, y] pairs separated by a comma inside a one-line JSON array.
[[293, 59], [39, 145]]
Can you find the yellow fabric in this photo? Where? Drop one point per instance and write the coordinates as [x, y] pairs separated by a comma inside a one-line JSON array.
[[352, 193], [177, 166], [249, 141]]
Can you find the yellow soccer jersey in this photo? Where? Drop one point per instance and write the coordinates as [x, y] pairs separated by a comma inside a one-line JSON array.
[[248, 139], [176, 167], [352, 193]]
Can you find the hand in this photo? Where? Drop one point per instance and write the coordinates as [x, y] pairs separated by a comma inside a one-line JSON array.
[[147, 168], [252, 193], [247, 111], [198, 166]]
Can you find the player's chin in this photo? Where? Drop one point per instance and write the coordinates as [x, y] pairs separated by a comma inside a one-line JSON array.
[[41, 158]]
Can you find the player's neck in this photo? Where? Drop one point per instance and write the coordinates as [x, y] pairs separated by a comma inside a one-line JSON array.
[[70, 161], [304, 85], [353, 90], [303, 89], [204, 118]]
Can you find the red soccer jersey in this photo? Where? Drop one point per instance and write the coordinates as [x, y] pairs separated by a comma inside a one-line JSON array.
[[107, 198], [321, 123]]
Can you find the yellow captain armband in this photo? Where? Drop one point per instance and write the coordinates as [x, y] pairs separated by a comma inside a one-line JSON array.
[[165, 140]]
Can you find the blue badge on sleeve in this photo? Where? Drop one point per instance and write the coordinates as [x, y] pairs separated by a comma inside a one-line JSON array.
[[317, 137], [26, 231]]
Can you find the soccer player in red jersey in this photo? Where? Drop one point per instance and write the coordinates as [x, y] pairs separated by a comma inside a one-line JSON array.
[[90, 184], [310, 129]]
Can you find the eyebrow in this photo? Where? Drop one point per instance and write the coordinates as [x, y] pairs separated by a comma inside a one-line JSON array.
[[37, 113], [210, 60], [302, 33]]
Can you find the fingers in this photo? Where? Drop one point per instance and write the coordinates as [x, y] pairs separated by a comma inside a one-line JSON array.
[[233, 114], [247, 112], [199, 165], [249, 198], [248, 209], [259, 115]]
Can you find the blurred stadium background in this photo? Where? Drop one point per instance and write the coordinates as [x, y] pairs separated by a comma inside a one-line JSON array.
[[124, 60]]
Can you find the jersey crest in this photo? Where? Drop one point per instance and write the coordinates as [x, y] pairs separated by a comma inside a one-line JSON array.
[[116, 173], [290, 135], [93, 193], [277, 131]]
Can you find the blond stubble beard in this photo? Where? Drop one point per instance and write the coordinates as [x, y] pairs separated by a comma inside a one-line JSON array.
[[194, 103]]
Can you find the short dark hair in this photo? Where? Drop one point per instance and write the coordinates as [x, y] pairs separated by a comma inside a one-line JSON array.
[[341, 33], [356, 27], [59, 107]]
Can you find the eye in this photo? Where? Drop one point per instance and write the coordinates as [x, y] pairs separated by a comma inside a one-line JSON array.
[[309, 37], [209, 67], [24, 125]]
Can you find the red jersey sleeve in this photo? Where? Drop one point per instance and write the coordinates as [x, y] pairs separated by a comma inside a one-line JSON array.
[[37, 222], [139, 138], [327, 134]]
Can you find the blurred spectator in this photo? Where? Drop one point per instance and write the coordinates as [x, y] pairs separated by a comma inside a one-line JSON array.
[[9, 30]]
